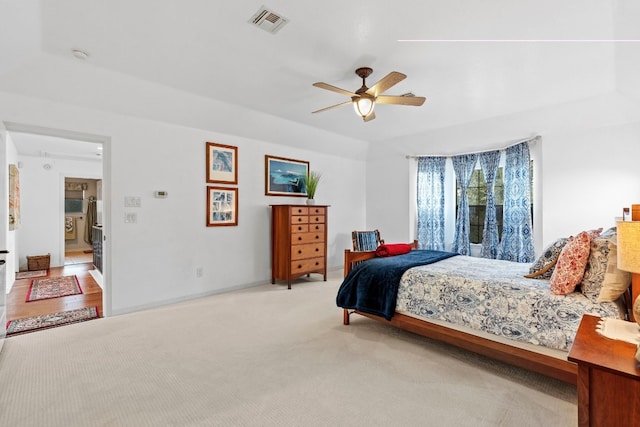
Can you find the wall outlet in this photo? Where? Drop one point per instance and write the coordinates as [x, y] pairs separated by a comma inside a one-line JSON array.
[[199, 272]]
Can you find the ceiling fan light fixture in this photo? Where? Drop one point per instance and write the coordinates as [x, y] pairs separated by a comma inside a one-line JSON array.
[[363, 106], [365, 99]]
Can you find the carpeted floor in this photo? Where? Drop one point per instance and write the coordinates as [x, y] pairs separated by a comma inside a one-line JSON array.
[[53, 287], [265, 356]]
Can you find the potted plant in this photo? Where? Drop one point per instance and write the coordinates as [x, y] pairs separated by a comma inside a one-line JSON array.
[[311, 185]]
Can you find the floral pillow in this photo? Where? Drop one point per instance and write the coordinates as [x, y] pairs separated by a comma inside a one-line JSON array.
[[543, 267], [571, 264], [602, 280]]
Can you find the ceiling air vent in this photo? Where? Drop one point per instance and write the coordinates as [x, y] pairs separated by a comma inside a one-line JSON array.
[[268, 20]]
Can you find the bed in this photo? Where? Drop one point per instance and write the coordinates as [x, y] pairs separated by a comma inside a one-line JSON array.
[[485, 306]]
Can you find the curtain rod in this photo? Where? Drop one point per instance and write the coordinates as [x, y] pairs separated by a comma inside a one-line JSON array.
[[532, 141]]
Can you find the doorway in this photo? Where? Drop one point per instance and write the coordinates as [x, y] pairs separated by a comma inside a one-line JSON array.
[[80, 218], [49, 162]]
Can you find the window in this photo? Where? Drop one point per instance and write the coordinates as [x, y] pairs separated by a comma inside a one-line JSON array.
[[477, 194], [73, 201]]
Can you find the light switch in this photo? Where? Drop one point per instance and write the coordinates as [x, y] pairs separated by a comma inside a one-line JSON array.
[[132, 202], [130, 217]]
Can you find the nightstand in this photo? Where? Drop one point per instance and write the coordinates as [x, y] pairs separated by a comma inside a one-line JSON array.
[[608, 378]]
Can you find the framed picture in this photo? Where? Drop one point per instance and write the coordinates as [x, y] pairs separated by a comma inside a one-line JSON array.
[[222, 206], [222, 163], [285, 177]]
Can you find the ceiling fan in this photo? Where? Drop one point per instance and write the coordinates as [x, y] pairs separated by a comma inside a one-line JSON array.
[[365, 99]]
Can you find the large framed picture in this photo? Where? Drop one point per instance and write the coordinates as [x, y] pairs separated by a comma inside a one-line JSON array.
[[285, 177], [222, 206], [222, 163]]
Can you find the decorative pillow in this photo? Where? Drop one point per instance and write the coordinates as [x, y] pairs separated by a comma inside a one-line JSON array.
[[392, 249], [571, 264], [602, 280], [543, 267], [610, 232], [595, 233]]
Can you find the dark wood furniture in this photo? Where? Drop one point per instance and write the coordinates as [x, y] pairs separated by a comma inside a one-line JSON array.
[[545, 364], [298, 241], [608, 378], [96, 238]]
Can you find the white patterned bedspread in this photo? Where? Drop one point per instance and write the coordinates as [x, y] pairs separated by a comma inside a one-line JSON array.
[[493, 296]]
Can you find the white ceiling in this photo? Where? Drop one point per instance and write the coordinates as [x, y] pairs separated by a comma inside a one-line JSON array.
[[52, 147], [519, 55]]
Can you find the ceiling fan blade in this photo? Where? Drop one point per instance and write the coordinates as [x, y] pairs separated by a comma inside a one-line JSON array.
[[385, 83], [401, 100], [342, 104], [370, 117], [334, 89]]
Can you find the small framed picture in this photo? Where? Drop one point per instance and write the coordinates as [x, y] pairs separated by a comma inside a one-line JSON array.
[[222, 163], [222, 206], [285, 177]]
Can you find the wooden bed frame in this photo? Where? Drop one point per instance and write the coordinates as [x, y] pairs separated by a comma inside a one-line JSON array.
[[551, 366]]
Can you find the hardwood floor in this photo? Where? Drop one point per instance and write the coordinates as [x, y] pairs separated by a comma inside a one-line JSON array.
[[77, 257], [18, 308]]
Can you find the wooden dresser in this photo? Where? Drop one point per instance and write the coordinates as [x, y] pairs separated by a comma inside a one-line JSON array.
[[608, 378], [298, 241]]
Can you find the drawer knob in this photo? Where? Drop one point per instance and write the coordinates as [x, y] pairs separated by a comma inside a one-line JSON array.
[[317, 249], [299, 228], [299, 251], [299, 238], [299, 219], [317, 263], [317, 237], [299, 266]]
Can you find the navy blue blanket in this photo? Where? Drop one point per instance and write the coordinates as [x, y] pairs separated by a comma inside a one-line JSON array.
[[372, 286]]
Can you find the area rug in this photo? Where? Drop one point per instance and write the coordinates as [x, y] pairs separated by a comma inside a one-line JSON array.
[[30, 274], [46, 321], [53, 287]]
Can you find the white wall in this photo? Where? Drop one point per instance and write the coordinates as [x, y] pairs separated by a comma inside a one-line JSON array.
[[11, 236], [154, 261], [588, 177], [42, 203], [627, 55]]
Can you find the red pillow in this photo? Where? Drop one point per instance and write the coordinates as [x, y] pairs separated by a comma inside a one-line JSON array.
[[393, 249], [571, 264]]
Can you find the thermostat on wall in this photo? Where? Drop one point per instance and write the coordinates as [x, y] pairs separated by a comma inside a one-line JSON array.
[[161, 194]]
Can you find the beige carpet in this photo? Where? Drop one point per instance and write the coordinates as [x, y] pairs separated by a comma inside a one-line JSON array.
[[266, 356]]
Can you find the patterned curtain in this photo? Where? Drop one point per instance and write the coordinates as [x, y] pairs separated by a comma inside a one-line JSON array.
[[431, 202], [517, 237], [463, 166], [489, 162]]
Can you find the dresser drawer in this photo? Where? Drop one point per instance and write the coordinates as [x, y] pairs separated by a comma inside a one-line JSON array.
[[298, 238], [316, 228], [305, 265], [307, 251], [300, 228], [299, 210], [316, 219], [300, 219], [318, 211]]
